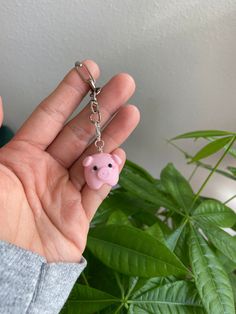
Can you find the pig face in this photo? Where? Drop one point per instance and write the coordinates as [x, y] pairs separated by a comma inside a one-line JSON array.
[[101, 168]]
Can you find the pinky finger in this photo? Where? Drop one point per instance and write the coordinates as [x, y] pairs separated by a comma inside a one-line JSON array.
[[92, 199]]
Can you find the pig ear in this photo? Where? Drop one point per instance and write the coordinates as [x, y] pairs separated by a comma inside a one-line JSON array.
[[117, 159], [87, 161]]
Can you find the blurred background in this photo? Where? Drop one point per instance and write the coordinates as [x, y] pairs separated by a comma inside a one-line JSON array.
[[181, 54]]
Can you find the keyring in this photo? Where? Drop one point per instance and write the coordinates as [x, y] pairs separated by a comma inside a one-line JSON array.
[[100, 168]]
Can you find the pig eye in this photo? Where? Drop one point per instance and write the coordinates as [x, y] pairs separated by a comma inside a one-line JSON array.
[[95, 168], [110, 165]]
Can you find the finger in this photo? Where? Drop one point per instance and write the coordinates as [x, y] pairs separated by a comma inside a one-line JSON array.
[[91, 199], [77, 133], [47, 119], [1, 111], [116, 132]]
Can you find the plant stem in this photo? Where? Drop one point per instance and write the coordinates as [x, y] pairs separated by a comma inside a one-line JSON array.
[[179, 149], [120, 285], [203, 165], [85, 279], [193, 173], [119, 308], [230, 199], [213, 171], [132, 288]]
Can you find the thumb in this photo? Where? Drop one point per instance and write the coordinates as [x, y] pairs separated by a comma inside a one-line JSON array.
[[1, 111]]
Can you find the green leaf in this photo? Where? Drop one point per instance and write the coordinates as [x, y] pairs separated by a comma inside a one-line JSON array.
[[99, 276], [171, 298], [118, 218], [173, 238], [87, 300], [232, 170], [177, 242], [234, 227], [133, 283], [145, 285], [214, 212], [204, 165], [110, 309], [211, 148], [210, 277], [143, 189], [142, 219], [119, 199], [228, 264], [156, 231], [221, 240], [232, 278], [177, 186], [164, 227], [102, 215], [130, 166], [133, 252], [203, 134], [232, 152], [135, 310]]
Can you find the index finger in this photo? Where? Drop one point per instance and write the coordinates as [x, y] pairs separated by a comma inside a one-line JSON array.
[[48, 118]]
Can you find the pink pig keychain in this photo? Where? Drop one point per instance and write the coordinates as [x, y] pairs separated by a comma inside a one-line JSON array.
[[99, 168]]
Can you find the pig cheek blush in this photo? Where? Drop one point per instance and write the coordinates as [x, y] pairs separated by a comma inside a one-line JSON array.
[[100, 168]]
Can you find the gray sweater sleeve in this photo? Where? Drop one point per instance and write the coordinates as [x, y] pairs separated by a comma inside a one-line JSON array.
[[28, 284]]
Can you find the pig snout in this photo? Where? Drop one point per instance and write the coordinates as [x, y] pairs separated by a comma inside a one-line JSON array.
[[103, 173]]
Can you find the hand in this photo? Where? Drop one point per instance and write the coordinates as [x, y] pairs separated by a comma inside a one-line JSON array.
[[45, 204]]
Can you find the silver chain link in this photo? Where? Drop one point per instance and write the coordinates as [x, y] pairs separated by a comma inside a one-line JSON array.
[[95, 116]]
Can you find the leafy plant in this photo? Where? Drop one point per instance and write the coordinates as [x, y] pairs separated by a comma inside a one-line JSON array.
[[156, 246]]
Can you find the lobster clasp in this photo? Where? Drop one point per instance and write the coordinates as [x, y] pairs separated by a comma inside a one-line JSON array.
[[85, 74]]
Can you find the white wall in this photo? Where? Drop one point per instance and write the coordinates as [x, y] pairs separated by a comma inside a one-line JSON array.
[[180, 52]]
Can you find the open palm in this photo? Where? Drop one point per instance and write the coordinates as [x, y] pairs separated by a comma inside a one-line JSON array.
[[45, 204]]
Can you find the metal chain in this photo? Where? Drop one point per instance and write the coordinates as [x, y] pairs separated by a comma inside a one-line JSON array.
[[95, 116]]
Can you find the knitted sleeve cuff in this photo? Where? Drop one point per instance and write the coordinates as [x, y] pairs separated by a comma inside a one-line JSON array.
[[28, 284]]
